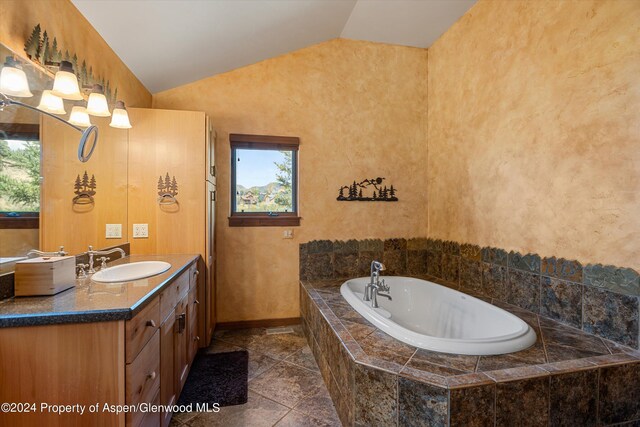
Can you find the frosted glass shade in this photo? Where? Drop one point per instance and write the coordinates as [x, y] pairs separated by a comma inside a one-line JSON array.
[[66, 86], [13, 82], [120, 118], [97, 105], [51, 103], [79, 117]]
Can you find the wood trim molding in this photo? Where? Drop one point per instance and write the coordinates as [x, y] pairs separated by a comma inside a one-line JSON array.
[[263, 141], [264, 323], [24, 131], [28, 221], [263, 221]]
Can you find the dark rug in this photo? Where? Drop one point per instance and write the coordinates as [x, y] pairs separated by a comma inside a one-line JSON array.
[[217, 378]]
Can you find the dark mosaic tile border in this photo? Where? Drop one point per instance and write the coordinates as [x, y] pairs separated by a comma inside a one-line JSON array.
[[368, 391], [600, 299]]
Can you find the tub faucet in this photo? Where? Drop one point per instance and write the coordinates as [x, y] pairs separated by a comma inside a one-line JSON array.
[[91, 254], [376, 268], [377, 290]]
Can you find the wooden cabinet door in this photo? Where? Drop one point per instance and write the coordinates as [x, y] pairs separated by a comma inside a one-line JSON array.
[[167, 366], [192, 318], [181, 343]]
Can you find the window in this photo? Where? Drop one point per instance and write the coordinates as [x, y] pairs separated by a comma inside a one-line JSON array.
[[19, 175], [264, 180]]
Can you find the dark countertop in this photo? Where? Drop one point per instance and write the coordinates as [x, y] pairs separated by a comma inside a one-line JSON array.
[[91, 301]]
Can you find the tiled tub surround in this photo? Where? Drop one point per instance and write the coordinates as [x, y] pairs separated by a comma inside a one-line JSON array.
[[568, 377], [601, 300]]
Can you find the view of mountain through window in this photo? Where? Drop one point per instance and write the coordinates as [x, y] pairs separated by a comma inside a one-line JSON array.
[[264, 180], [19, 176]]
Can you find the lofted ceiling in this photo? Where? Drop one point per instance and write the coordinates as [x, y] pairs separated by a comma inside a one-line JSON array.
[[167, 43]]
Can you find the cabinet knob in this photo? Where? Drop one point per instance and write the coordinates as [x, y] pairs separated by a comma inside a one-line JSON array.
[[196, 338], [196, 302], [151, 323], [152, 375], [196, 272]]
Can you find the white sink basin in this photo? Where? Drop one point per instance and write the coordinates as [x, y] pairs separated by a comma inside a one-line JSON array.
[[129, 272]]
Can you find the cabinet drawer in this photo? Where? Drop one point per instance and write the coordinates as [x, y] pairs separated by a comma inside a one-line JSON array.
[[141, 328], [143, 378], [152, 419], [173, 293]]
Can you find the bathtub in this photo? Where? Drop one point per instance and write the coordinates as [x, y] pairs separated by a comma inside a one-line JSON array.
[[433, 317]]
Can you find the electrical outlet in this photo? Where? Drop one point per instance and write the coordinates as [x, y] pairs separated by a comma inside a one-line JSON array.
[[114, 231], [287, 234], [140, 231]]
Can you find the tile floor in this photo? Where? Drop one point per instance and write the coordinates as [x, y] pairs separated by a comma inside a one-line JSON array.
[[285, 385]]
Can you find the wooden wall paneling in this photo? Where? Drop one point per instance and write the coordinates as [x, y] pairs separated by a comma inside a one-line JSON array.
[[80, 363], [162, 142], [77, 226]]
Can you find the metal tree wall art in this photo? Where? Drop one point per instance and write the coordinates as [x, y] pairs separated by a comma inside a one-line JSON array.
[[167, 190], [46, 52], [368, 190], [84, 189]]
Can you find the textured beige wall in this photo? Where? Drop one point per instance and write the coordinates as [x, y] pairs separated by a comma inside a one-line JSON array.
[[360, 111], [16, 242], [534, 129], [61, 19]]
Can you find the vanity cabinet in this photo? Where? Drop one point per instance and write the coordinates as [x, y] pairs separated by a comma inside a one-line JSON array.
[[179, 144], [160, 364]]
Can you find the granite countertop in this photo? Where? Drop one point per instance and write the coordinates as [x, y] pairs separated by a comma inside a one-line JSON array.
[[558, 348], [90, 301]]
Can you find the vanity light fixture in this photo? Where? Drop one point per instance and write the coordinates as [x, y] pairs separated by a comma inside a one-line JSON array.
[[79, 116], [51, 103], [65, 83], [120, 118], [97, 104], [13, 80]]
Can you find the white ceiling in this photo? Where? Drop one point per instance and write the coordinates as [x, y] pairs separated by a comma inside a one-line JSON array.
[[172, 42]]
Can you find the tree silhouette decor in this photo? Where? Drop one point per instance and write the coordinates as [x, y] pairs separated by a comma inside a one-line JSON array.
[[84, 189], [167, 190], [357, 192]]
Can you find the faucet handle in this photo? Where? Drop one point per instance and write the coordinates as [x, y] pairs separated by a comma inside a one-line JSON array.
[[103, 261], [61, 251], [81, 273], [90, 248]]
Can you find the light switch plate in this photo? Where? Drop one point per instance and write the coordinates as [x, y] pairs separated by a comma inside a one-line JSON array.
[[140, 231], [114, 231]]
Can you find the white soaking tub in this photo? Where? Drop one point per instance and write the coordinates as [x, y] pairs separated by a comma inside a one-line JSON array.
[[430, 316]]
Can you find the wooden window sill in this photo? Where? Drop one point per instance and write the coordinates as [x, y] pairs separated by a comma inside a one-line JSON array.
[[28, 221], [264, 221]]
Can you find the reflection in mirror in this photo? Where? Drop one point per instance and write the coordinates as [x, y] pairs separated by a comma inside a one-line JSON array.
[[39, 165]]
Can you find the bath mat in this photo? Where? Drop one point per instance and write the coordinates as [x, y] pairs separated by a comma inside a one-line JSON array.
[[217, 378]]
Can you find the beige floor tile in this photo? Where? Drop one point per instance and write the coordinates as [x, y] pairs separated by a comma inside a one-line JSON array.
[[286, 383], [257, 412]]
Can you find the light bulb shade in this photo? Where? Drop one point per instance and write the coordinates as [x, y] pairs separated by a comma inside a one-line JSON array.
[[51, 103], [65, 84], [97, 105], [13, 81], [79, 117], [120, 118]]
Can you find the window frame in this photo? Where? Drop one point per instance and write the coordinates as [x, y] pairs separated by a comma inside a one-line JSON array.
[[264, 142], [25, 219]]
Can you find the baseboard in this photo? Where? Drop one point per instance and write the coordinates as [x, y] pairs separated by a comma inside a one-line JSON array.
[[263, 323]]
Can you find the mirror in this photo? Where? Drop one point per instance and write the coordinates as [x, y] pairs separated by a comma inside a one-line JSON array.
[[48, 197]]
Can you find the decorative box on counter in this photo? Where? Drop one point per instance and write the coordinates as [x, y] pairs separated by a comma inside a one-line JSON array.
[[45, 275]]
